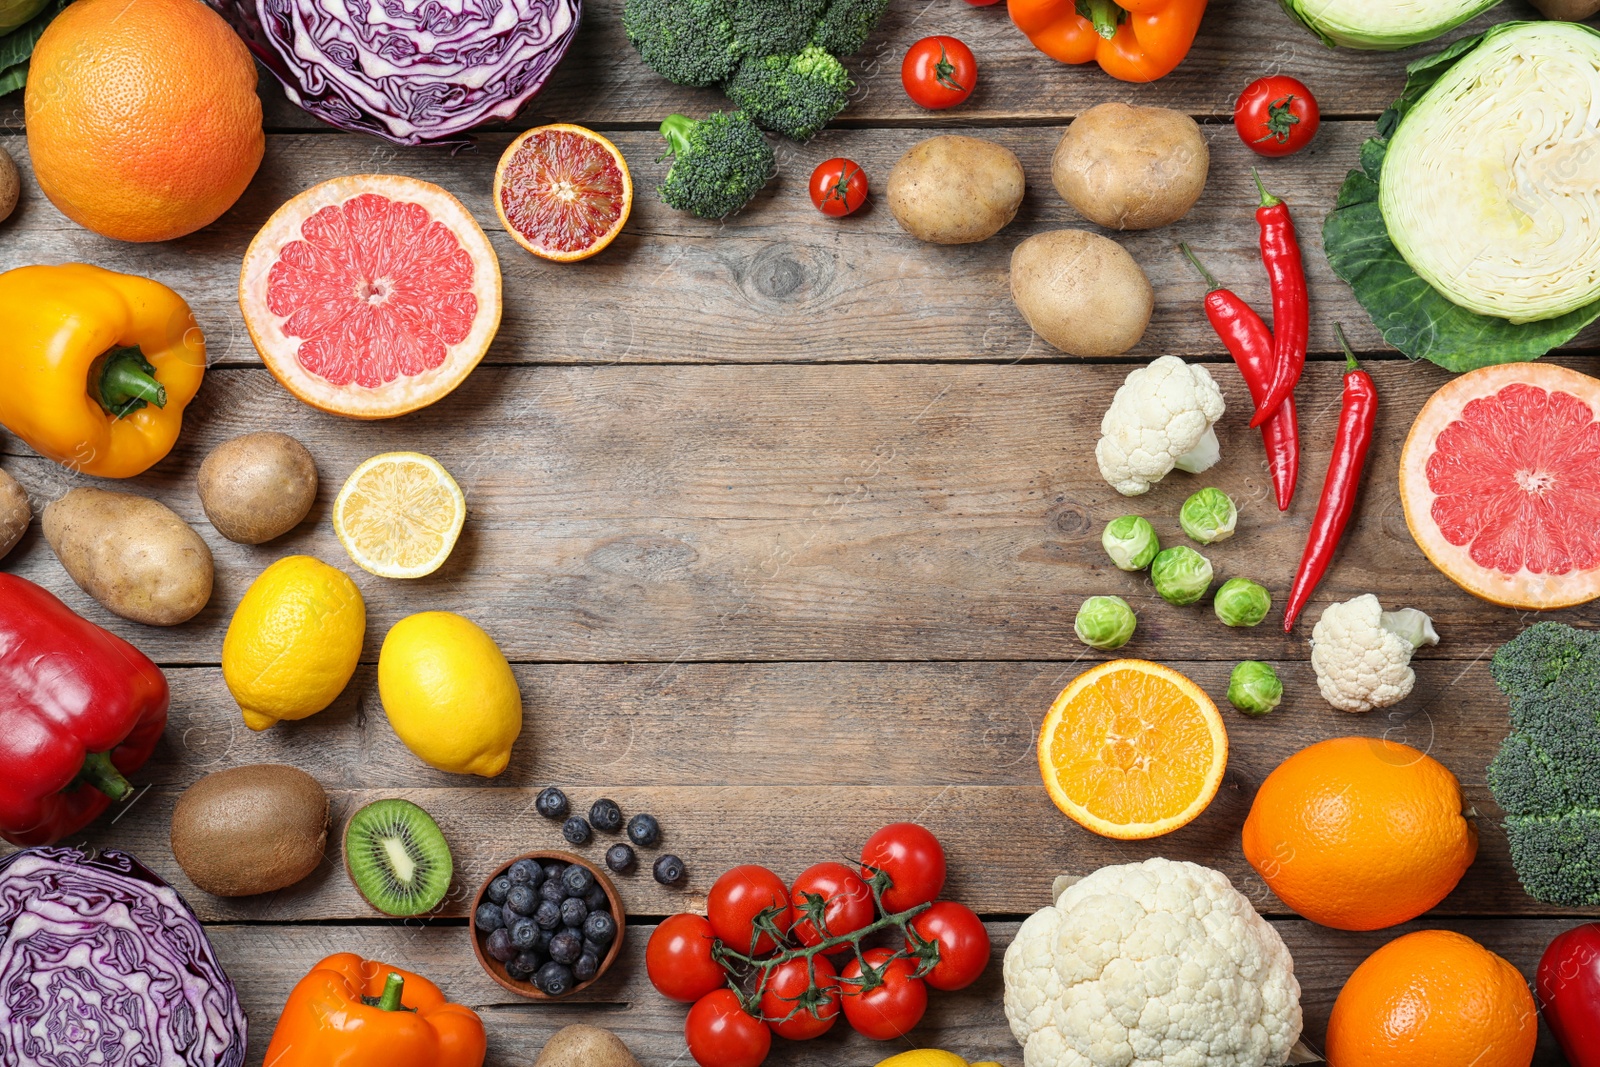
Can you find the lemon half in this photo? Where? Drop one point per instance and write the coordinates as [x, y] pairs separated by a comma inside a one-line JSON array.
[[399, 515]]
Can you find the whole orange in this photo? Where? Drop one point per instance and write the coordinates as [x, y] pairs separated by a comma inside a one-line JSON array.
[[1359, 833], [1433, 999], [142, 115]]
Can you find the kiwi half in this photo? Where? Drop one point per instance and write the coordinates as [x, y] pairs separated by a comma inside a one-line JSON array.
[[397, 857]]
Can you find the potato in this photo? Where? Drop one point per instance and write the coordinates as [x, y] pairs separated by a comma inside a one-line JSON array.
[[1081, 292], [132, 554], [1131, 168], [585, 1046], [955, 190], [258, 486], [10, 185], [15, 513]]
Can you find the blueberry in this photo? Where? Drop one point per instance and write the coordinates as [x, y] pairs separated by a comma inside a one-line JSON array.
[[576, 830], [600, 928], [552, 803], [548, 916], [516, 971], [566, 947], [527, 871], [507, 916], [489, 917], [586, 968], [553, 891], [578, 880], [553, 871], [528, 961], [498, 889], [620, 858], [574, 911], [554, 979], [545, 937], [499, 945], [522, 899], [524, 933], [596, 899], [644, 831], [605, 815], [668, 870]]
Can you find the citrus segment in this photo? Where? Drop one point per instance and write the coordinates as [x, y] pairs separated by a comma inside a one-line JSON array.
[[563, 192], [372, 295], [399, 515], [1500, 479], [1132, 749]]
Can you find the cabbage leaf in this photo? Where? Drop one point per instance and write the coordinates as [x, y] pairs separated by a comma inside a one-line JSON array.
[[17, 46]]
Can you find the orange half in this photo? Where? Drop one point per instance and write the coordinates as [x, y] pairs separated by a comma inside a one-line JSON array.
[[1132, 749], [563, 192]]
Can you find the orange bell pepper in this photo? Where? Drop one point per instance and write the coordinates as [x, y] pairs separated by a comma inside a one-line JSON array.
[[351, 1012], [1132, 40]]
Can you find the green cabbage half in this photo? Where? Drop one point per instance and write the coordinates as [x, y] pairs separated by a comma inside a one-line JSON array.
[[1382, 24], [1471, 233]]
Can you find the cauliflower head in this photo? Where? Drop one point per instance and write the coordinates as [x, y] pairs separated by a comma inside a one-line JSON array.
[[1362, 654], [1153, 964], [1161, 418]]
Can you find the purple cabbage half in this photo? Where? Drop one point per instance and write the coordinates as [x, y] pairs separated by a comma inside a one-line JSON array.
[[412, 71], [103, 962]]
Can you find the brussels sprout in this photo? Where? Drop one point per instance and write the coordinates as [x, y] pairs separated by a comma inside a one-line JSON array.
[[1181, 575], [1209, 516], [1254, 688], [1241, 602], [1104, 622], [1130, 542]]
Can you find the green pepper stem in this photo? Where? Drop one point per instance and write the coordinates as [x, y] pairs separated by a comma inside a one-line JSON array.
[[98, 771], [1201, 267], [126, 382], [1267, 199], [1105, 15], [392, 988], [1350, 363]]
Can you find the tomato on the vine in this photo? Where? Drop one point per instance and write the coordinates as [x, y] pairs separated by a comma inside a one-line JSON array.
[[847, 904], [838, 186], [963, 944], [912, 858], [891, 1008], [939, 72], [789, 1006], [678, 959], [722, 1034], [738, 897], [1276, 115]]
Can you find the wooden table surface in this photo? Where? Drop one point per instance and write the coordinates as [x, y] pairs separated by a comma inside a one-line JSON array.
[[783, 522]]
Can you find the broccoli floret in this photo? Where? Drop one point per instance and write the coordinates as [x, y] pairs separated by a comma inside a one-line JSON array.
[[774, 27], [1547, 774], [690, 42], [719, 163], [792, 95], [846, 24]]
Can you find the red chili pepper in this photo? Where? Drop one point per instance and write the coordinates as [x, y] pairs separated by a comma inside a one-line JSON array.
[[1291, 311], [1249, 342], [79, 708], [1358, 414]]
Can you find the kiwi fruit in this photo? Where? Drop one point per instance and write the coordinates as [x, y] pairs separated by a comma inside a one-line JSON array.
[[249, 830], [397, 857]]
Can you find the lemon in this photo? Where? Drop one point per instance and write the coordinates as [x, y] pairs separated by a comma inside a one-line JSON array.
[[449, 693], [927, 1057], [294, 641], [399, 515]]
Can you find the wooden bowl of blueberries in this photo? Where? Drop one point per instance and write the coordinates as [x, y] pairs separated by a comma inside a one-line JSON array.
[[547, 924]]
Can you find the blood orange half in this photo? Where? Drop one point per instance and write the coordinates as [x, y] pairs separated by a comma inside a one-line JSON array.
[[563, 191], [1500, 478], [372, 295]]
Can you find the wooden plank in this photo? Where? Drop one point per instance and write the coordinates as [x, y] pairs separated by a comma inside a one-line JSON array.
[[841, 512], [265, 965]]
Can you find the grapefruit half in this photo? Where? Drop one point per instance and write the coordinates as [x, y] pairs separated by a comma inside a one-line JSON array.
[[1500, 479], [372, 295]]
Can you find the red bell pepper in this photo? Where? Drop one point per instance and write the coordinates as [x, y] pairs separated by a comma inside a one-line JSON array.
[[1568, 983], [79, 709]]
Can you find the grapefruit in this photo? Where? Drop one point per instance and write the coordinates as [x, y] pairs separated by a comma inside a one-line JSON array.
[[563, 192], [372, 295], [1500, 479]]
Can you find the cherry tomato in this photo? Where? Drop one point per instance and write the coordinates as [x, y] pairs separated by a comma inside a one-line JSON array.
[[838, 186], [780, 1000], [939, 72], [887, 1010], [678, 959], [913, 859], [737, 898], [847, 902], [722, 1034], [1276, 115], [963, 944]]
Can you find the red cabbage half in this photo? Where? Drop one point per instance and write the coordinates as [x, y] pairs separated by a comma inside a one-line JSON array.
[[103, 962], [413, 71]]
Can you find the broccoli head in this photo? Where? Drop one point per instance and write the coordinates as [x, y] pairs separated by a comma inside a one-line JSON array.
[[719, 163], [845, 25], [690, 42], [1547, 774], [793, 95], [774, 27]]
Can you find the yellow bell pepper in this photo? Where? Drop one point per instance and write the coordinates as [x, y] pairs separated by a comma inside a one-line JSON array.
[[927, 1057], [98, 366]]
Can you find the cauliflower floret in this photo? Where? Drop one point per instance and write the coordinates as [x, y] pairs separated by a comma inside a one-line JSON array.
[[1362, 654], [1153, 964], [1161, 418]]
